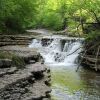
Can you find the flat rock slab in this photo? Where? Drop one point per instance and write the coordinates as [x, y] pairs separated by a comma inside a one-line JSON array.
[[37, 91], [23, 85], [7, 71], [21, 74], [25, 52], [19, 49], [15, 40]]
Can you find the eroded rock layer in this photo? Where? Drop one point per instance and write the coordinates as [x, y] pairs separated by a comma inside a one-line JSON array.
[[32, 82]]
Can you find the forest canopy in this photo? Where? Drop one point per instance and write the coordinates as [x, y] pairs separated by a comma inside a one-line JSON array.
[[19, 15]]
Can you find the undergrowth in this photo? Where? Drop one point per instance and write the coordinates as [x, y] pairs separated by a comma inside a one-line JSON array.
[[16, 60]]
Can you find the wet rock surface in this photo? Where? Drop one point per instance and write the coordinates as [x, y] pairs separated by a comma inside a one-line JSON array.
[[29, 83]]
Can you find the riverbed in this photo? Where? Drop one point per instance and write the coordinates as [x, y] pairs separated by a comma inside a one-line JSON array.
[[62, 58], [67, 84]]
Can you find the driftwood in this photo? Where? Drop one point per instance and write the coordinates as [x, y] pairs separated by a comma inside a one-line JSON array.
[[74, 51], [97, 58], [92, 60], [80, 61], [88, 58], [92, 47]]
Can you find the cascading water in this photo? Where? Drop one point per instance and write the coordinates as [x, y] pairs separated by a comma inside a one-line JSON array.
[[35, 44], [60, 52], [56, 54], [67, 84]]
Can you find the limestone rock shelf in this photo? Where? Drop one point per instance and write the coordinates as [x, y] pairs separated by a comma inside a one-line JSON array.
[[26, 53], [32, 82], [15, 40], [26, 84]]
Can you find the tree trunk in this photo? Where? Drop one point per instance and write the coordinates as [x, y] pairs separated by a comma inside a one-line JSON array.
[[64, 23], [81, 21]]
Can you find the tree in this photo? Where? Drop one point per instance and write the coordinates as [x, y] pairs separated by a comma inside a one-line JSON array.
[[17, 14]]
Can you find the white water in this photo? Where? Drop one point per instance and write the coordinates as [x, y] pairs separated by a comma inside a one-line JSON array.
[[67, 84], [55, 54]]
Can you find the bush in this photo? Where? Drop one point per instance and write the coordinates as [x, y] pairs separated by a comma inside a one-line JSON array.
[[16, 15], [93, 35]]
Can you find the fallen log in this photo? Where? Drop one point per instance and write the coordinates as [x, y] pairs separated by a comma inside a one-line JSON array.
[[90, 59]]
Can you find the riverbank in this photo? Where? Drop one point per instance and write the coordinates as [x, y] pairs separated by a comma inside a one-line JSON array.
[[57, 50], [91, 54], [61, 55], [24, 76]]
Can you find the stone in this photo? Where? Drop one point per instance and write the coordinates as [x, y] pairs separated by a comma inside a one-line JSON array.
[[7, 71], [5, 63], [28, 54], [1, 63], [12, 70], [28, 83]]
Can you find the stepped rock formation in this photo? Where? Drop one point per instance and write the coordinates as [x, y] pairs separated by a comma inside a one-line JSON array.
[[14, 40], [32, 82]]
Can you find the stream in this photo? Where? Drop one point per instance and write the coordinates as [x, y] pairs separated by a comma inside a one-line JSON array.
[[61, 54]]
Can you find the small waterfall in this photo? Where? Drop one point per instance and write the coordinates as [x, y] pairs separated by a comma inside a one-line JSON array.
[[65, 47], [55, 53], [35, 44]]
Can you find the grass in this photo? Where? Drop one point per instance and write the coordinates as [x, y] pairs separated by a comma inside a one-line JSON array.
[[16, 60], [5, 55]]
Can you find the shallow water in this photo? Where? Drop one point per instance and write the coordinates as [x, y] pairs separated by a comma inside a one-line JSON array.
[[67, 84]]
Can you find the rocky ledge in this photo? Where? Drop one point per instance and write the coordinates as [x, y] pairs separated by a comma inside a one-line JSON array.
[[15, 40], [32, 82]]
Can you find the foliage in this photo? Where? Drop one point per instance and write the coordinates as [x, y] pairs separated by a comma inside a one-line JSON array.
[[19, 15], [16, 15], [52, 21], [93, 35]]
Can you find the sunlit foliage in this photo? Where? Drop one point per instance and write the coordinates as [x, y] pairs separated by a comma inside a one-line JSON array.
[[18, 15]]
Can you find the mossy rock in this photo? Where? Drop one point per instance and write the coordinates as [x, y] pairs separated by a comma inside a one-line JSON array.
[[16, 60]]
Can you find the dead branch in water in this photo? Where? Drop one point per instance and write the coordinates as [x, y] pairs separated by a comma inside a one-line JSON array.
[[81, 61], [74, 51]]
